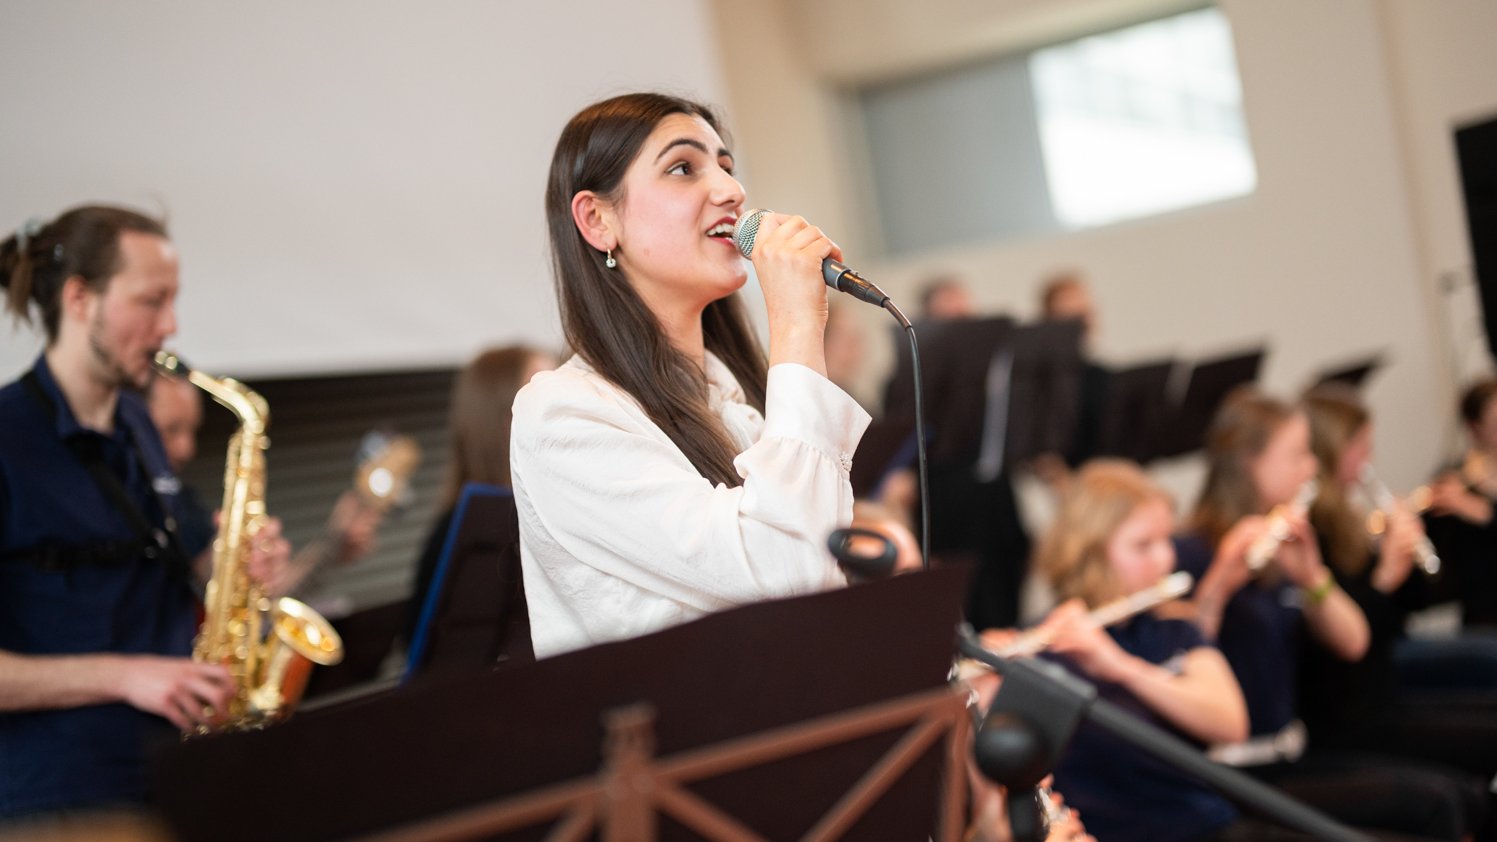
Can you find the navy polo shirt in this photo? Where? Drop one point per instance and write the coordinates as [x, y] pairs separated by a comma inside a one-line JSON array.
[[1122, 793], [1261, 633], [60, 759]]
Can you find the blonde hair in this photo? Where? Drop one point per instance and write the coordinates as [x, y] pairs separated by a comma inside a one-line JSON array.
[[1336, 416], [1072, 555]]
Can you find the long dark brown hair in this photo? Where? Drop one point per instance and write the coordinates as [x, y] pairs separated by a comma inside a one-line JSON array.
[[1238, 434], [84, 241], [480, 415], [1336, 416], [604, 319], [1475, 398]]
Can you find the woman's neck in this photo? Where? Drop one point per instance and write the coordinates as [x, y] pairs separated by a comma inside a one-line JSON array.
[[1479, 468], [682, 324], [91, 400]]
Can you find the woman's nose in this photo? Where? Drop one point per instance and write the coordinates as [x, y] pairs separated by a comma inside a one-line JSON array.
[[728, 191]]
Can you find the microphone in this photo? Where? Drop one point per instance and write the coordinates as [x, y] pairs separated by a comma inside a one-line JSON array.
[[835, 273]]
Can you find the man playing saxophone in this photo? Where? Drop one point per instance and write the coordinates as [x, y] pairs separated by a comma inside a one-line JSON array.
[[97, 605]]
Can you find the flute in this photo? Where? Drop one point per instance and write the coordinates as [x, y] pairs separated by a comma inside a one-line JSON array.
[[1053, 815], [1033, 642], [1424, 551], [1262, 550]]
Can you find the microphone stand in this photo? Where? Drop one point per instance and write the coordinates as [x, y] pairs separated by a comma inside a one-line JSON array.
[[1037, 710]]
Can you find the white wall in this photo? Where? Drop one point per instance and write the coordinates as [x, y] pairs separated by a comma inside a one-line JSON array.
[[357, 185], [352, 185], [1441, 67], [1348, 106]]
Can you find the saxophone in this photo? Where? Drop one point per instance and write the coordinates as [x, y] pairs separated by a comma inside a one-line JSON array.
[[270, 670]]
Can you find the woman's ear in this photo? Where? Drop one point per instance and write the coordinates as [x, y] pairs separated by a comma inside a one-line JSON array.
[[594, 218]]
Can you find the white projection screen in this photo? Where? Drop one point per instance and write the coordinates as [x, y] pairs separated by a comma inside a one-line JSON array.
[[352, 185]]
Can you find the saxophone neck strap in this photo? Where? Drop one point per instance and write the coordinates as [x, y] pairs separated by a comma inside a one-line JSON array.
[[154, 542]]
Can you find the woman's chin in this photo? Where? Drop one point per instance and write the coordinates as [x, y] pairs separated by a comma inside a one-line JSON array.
[[729, 286]]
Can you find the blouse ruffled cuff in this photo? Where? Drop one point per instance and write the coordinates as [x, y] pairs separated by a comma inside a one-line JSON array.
[[802, 404]]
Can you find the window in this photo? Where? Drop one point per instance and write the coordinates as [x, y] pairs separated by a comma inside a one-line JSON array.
[[1114, 126], [1142, 120]]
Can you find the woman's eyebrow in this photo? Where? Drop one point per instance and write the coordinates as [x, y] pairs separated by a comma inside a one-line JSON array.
[[694, 144]]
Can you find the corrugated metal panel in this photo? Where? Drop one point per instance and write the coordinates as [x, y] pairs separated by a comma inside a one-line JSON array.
[[316, 425]]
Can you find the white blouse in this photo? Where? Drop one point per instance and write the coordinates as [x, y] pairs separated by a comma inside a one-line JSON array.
[[619, 533]]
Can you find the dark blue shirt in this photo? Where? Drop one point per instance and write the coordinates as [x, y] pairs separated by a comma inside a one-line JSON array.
[[195, 527], [1261, 635], [59, 759], [1124, 794]]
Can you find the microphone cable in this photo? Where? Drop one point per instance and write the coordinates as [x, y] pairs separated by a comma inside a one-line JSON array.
[[922, 471]]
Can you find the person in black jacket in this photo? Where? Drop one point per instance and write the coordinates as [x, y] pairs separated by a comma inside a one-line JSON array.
[[1360, 705], [1460, 515]]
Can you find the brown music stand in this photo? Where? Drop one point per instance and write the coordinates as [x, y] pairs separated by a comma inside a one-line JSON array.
[[819, 717]]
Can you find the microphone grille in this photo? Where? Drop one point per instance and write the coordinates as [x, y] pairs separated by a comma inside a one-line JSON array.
[[746, 229]]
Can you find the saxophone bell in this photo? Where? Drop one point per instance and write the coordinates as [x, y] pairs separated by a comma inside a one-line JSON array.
[[299, 639]]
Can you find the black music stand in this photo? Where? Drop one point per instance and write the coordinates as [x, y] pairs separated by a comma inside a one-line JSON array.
[[473, 615], [1353, 373], [1210, 383], [886, 447], [828, 711], [955, 357], [1031, 404], [1135, 411], [1044, 390], [996, 394]]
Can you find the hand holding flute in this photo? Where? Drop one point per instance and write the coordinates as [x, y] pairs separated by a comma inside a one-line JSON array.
[[1081, 636], [1450, 495], [1283, 537], [1399, 525], [1280, 527], [1072, 630]]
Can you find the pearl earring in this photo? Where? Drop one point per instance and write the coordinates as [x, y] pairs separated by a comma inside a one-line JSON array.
[[610, 262]]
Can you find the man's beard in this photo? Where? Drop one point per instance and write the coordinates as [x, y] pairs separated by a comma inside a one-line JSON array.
[[109, 364]]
